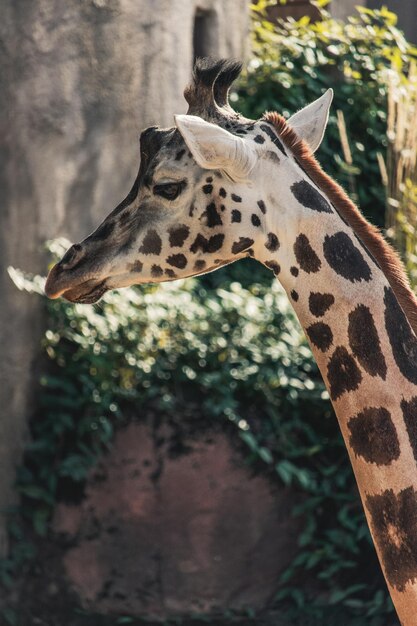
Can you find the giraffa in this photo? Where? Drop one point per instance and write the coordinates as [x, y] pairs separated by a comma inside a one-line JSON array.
[[218, 187]]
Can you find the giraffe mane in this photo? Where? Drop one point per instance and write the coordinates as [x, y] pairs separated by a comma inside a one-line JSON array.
[[387, 258]]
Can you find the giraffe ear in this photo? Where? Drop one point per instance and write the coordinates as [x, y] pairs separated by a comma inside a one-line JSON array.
[[310, 123], [215, 148]]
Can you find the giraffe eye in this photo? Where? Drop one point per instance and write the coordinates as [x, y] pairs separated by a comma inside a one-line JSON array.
[[170, 191]]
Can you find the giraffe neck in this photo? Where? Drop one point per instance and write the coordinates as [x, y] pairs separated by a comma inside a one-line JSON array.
[[367, 354]]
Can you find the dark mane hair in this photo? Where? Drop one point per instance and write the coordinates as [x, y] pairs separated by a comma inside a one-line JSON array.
[[369, 235]]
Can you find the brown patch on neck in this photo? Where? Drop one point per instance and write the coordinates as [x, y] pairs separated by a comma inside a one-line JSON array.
[[384, 254]]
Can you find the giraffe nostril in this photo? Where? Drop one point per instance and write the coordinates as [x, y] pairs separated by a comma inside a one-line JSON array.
[[72, 257]]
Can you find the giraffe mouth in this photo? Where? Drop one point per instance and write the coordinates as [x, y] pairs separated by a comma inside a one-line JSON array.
[[85, 290], [86, 293]]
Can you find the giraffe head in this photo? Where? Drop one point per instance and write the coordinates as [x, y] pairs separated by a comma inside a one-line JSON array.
[[197, 202]]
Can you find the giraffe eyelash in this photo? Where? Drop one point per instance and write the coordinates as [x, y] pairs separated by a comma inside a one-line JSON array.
[[169, 191]]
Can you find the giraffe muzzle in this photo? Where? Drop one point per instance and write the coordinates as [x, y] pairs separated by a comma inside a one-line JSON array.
[[72, 279], [59, 283]]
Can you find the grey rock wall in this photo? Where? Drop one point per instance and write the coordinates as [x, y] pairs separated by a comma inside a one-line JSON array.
[[341, 9], [78, 82]]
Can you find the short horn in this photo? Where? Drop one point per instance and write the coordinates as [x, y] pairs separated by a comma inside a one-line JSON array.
[[228, 74], [200, 94]]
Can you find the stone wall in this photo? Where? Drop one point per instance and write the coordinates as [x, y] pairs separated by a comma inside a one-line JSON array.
[[341, 9], [79, 81], [163, 534]]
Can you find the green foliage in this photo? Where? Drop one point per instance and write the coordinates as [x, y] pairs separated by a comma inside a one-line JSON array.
[[225, 355], [295, 62]]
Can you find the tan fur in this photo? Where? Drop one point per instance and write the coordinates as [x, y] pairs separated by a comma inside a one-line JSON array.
[[369, 234]]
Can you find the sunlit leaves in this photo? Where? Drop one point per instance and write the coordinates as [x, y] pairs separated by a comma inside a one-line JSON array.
[[295, 61]]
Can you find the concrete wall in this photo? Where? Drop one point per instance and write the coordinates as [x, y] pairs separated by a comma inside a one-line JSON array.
[[79, 81], [341, 9]]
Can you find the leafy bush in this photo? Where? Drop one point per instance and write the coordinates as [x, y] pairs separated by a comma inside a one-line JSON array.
[[295, 62], [230, 356]]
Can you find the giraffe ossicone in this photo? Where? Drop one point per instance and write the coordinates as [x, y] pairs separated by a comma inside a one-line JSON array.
[[218, 187]]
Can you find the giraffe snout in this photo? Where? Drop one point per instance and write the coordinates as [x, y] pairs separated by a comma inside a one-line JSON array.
[[72, 257], [57, 280]]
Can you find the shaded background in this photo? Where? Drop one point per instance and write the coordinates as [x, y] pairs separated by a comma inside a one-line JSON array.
[[79, 82]]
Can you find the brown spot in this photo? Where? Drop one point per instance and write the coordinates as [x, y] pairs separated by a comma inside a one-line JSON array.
[[261, 205], [137, 266], [274, 266], [364, 341], [255, 220], [319, 303], [236, 216], [156, 271], [271, 156], [199, 265], [170, 273], [409, 409], [320, 335], [222, 192], [212, 216], [151, 244], [308, 196], [236, 198], [305, 255], [343, 373], [401, 336], [207, 245], [207, 189], [241, 245], [178, 235], [393, 521], [272, 242], [294, 295], [373, 436], [177, 260], [345, 258], [294, 271]]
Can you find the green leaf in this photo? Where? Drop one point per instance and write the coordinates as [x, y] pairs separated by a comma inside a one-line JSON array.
[[36, 493]]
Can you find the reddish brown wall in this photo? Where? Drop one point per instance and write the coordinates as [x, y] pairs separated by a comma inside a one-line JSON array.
[[161, 534]]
